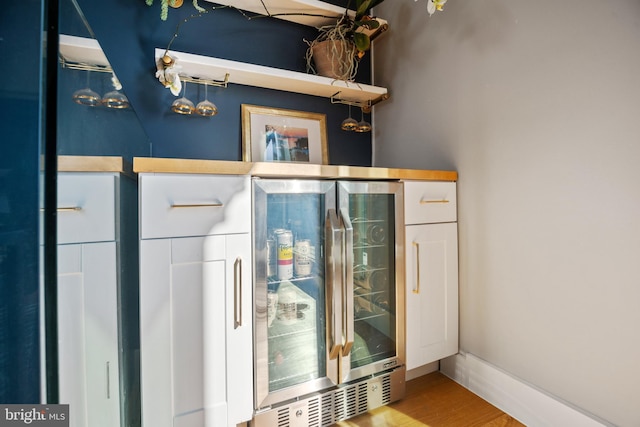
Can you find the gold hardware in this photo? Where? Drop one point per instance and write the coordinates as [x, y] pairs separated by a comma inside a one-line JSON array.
[[417, 288], [197, 205], [202, 81], [237, 293], [425, 202], [366, 106]]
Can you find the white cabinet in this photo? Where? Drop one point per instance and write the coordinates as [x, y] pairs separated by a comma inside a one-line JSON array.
[[431, 272], [95, 353], [195, 300]]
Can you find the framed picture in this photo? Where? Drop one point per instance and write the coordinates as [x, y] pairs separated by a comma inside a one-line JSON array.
[[277, 135]]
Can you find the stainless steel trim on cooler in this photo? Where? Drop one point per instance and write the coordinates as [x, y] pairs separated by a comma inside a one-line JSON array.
[[345, 189], [262, 188], [349, 331], [333, 286], [338, 283]]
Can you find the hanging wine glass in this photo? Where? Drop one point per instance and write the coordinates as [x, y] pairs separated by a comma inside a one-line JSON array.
[[86, 96], [183, 105], [115, 99], [363, 125], [206, 108], [349, 123]]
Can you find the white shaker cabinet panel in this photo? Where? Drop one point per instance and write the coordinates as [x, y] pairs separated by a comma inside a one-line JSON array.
[[97, 319], [429, 202], [195, 300], [431, 239], [227, 300], [171, 333], [432, 293], [155, 333], [86, 207], [88, 333], [194, 205]]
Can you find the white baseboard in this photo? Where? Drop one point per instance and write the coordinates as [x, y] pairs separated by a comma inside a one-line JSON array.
[[520, 400]]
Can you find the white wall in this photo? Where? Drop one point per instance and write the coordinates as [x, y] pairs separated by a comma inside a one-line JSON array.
[[537, 106]]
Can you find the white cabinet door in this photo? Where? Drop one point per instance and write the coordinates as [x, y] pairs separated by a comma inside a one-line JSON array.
[[195, 300], [228, 325], [88, 333], [432, 292], [188, 290]]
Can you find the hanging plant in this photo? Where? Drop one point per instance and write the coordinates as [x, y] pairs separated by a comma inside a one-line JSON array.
[[164, 6], [342, 44]]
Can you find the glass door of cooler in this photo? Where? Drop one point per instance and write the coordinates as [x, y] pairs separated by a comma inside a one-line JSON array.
[[375, 212], [289, 284]]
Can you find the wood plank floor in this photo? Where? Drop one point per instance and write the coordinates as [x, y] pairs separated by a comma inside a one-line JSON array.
[[434, 400]]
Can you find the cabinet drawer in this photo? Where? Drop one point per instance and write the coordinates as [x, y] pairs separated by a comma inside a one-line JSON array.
[[174, 205], [86, 207], [429, 202]]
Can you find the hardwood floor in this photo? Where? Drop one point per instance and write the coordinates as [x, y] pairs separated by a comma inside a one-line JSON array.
[[434, 400]]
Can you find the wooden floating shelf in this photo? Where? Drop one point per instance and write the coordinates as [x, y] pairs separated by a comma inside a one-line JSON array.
[[82, 50], [208, 69]]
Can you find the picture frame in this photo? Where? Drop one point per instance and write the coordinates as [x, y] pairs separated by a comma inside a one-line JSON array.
[[278, 135]]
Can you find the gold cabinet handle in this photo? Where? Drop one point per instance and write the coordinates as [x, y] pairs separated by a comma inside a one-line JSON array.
[[197, 205], [416, 290], [432, 201], [66, 209]]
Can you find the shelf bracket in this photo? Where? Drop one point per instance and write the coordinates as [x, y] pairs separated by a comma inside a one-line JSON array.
[[210, 82], [364, 105], [71, 65]]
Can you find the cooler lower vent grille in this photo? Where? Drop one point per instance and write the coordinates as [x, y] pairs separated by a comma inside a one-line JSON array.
[[331, 407], [283, 417], [349, 401], [314, 413], [386, 390], [362, 398]]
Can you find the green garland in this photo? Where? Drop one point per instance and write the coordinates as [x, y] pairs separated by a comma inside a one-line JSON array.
[[164, 7]]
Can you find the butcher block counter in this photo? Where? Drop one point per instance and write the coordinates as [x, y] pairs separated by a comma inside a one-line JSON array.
[[285, 170]]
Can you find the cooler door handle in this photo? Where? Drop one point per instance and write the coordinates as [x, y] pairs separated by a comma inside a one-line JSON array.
[[349, 334], [333, 284]]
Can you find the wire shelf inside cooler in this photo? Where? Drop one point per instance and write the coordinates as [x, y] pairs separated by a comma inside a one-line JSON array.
[[294, 343]]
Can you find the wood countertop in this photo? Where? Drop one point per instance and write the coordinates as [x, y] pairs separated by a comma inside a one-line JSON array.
[[94, 164], [285, 170]]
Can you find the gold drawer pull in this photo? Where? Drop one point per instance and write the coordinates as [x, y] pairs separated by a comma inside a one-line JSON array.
[[197, 205], [424, 202], [69, 209]]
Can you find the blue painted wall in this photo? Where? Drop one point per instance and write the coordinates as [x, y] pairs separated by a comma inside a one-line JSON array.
[[129, 31], [20, 33]]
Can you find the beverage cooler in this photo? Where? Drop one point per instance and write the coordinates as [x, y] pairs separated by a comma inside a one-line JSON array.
[[329, 299]]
